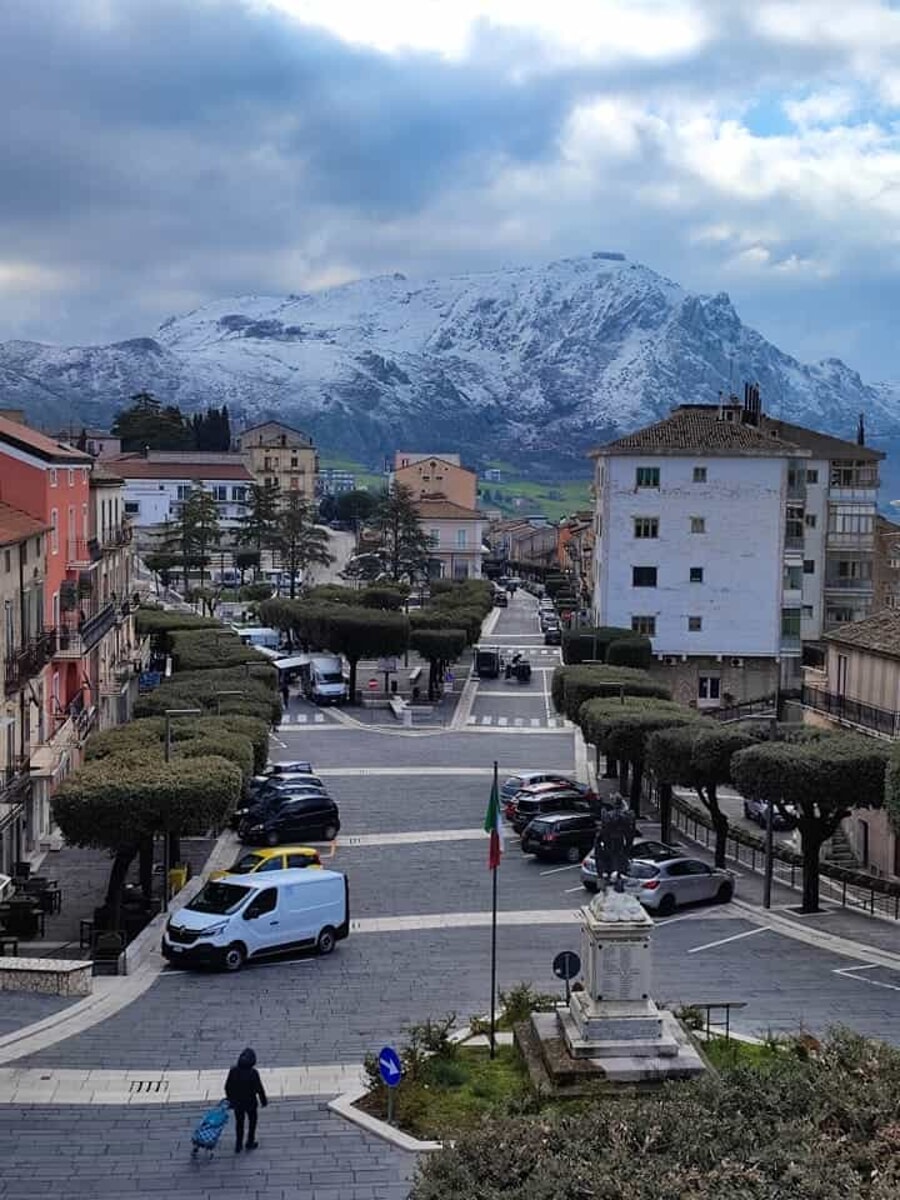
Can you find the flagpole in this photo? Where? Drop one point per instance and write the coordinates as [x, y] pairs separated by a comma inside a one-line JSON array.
[[494, 940]]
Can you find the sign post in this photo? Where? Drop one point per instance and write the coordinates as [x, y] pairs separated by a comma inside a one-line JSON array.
[[566, 966], [391, 1072]]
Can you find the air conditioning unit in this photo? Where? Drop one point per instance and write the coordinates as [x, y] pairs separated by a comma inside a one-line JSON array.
[[735, 662]]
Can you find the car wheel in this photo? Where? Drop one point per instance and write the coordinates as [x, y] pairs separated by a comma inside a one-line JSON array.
[[573, 855], [326, 941], [725, 892], [272, 837], [666, 906], [330, 832], [235, 957]]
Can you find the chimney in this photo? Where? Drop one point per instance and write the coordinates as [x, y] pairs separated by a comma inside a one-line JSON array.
[[861, 431], [752, 407]]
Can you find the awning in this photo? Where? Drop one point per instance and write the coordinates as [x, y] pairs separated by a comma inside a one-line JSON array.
[[291, 664]]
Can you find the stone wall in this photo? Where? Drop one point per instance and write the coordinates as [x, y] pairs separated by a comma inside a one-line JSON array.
[[50, 977]]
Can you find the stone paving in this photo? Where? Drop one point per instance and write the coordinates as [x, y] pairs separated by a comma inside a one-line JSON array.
[[19, 1009]]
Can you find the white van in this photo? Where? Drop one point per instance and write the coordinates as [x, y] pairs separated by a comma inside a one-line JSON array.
[[259, 636], [323, 679], [240, 917]]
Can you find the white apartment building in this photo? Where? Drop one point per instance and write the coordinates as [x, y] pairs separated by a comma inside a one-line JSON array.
[[726, 537], [158, 482]]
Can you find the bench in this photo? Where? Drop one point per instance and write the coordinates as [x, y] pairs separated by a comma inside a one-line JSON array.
[[401, 710], [48, 976]]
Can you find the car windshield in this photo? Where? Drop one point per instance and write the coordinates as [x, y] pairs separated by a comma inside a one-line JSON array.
[[219, 898], [331, 677], [244, 865], [514, 781], [540, 826]]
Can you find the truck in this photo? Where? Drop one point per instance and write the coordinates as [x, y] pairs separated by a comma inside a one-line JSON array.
[[322, 679], [487, 662]]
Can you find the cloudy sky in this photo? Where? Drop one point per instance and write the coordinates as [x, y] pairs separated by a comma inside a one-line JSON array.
[[159, 153]]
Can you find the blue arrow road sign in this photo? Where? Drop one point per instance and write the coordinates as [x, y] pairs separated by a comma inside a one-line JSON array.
[[389, 1066]]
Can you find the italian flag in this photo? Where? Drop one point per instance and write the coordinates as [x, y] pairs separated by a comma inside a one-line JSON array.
[[493, 827]]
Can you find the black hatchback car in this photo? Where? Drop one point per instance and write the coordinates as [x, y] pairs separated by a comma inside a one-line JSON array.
[[563, 800], [297, 819], [560, 836]]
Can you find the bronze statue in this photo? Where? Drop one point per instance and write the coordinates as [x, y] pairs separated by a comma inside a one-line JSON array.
[[613, 841]]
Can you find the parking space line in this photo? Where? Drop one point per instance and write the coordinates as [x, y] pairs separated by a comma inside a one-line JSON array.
[[567, 867], [734, 938], [850, 973]]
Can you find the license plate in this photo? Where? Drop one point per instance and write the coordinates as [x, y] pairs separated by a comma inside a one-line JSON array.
[[175, 949]]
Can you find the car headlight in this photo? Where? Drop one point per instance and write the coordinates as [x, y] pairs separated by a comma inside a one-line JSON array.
[[212, 930]]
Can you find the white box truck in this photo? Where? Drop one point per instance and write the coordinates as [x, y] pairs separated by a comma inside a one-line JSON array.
[[323, 679]]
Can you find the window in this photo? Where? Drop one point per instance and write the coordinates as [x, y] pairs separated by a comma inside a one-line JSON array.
[[71, 476], [793, 578], [295, 483], [790, 622], [647, 477], [219, 492], [708, 687], [239, 495], [54, 531], [696, 574], [461, 537], [698, 525], [183, 491], [644, 625], [23, 553], [810, 520], [132, 508], [646, 527], [844, 518], [54, 477], [849, 473], [806, 612], [840, 616], [695, 624], [643, 576], [295, 462], [699, 474], [84, 474], [793, 522], [434, 537], [812, 476], [84, 522], [809, 566], [265, 902]]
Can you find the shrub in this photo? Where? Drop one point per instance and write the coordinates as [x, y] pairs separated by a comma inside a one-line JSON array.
[[160, 624], [572, 686], [389, 598], [227, 744], [579, 645], [255, 591], [630, 652], [199, 649]]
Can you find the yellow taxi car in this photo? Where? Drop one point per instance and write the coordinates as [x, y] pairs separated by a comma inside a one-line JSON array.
[[271, 858]]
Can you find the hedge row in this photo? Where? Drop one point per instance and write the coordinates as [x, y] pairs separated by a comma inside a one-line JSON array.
[[208, 649], [573, 686]]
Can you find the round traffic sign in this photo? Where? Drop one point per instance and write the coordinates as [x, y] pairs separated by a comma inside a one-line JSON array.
[[566, 965], [373, 685], [389, 1066]]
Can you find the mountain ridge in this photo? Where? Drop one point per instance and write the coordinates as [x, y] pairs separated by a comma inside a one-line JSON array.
[[530, 364]]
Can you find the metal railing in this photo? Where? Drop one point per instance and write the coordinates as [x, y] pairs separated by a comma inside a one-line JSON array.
[[82, 635], [837, 885], [83, 551], [854, 712], [29, 660], [766, 706]]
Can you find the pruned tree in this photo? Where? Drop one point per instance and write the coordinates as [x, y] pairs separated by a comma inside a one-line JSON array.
[[823, 781], [621, 728], [440, 648], [364, 633], [260, 521]]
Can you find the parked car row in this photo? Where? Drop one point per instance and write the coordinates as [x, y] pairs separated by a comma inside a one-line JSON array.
[[556, 818], [289, 805]]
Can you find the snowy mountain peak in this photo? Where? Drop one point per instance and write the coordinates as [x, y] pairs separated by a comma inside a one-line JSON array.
[[531, 364]]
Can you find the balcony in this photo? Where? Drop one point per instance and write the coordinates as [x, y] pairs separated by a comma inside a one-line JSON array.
[[853, 712], [112, 539], [28, 661], [83, 552], [76, 638], [843, 584]]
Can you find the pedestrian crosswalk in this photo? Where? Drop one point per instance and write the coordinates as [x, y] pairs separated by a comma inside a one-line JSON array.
[[521, 722], [303, 719]]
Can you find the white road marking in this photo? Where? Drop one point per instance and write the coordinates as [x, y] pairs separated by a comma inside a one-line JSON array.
[[734, 938], [567, 867], [502, 720], [319, 719], [471, 720], [568, 891], [412, 837], [414, 771], [464, 920], [535, 721], [278, 741], [848, 973]]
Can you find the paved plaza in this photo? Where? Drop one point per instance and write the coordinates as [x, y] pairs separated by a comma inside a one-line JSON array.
[[100, 1097]]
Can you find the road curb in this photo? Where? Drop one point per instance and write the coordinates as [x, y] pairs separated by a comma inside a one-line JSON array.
[[345, 1106], [832, 942]]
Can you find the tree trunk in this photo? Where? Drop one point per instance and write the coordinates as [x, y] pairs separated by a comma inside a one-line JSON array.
[[118, 874], [174, 849], [812, 838], [353, 662], [637, 783], [720, 825], [623, 777], [146, 867], [611, 770], [665, 812]]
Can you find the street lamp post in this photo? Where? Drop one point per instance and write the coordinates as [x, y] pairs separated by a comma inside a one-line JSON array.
[[169, 714]]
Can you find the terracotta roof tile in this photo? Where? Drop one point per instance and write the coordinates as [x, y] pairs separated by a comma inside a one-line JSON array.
[[16, 526], [135, 466], [446, 510], [23, 437], [879, 633], [698, 429]]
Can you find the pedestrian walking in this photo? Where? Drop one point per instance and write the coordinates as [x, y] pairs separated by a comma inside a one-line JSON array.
[[285, 695], [243, 1088]]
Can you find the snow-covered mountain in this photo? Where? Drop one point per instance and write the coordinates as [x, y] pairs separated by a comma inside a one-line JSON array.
[[532, 365]]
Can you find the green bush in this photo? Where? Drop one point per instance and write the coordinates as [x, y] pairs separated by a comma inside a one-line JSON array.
[[620, 728], [572, 686], [160, 624], [242, 740], [581, 645], [632, 651], [255, 591], [390, 598], [201, 649], [227, 744]]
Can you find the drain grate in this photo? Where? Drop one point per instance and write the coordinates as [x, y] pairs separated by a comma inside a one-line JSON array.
[[149, 1085]]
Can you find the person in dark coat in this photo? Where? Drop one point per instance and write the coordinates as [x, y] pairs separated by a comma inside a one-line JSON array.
[[243, 1088]]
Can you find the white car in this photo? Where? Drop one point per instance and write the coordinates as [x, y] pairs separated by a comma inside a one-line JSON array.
[[662, 886]]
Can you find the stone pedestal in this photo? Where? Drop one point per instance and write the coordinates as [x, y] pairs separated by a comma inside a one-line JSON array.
[[612, 1029]]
